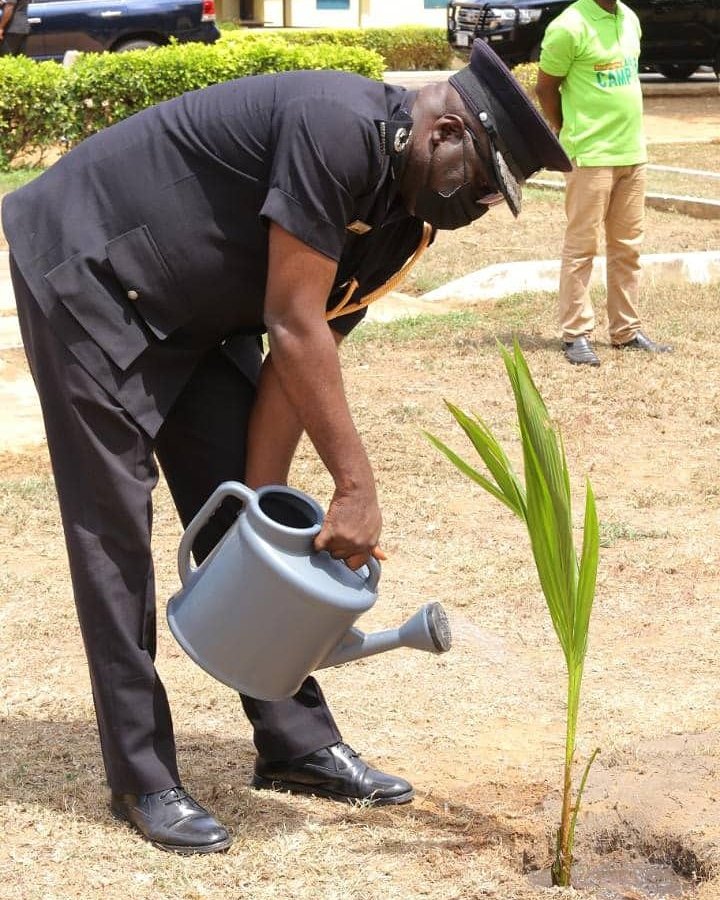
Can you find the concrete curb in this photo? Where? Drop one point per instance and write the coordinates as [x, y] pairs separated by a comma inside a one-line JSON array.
[[504, 279], [697, 207]]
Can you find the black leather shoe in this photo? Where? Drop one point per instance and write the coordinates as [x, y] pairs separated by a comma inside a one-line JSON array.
[[171, 820], [336, 772], [580, 352], [641, 341]]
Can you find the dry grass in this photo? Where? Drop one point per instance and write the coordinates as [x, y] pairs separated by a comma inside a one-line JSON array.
[[538, 234], [480, 730]]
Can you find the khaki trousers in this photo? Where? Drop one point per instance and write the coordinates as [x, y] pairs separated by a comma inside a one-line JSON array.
[[613, 196]]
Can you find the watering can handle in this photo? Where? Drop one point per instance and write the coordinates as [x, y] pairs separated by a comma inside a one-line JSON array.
[[374, 572], [226, 489]]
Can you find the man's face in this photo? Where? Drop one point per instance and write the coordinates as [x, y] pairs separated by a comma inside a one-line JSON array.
[[449, 179]]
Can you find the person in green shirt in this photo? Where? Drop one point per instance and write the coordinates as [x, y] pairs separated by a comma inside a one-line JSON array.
[[589, 90]]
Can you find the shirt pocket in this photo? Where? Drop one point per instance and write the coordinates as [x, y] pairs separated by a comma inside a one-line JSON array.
[[146, 279], [111, 324]]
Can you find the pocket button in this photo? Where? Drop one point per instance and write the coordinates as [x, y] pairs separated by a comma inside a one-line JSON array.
[[132, 295]]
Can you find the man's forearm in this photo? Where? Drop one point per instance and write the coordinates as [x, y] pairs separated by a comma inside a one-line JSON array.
[[274, 431], [7, 13], [550, 99], [305, 361]]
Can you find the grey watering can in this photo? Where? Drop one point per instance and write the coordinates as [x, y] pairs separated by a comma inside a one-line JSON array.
[[264, 610]]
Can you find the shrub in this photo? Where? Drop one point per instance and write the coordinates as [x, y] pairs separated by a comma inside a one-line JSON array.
[[48, 104], [405, 48], [104, 88], [526, 74], [31, 107]]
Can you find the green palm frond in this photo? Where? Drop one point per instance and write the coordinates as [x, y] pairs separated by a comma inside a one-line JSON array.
[[545, 504]]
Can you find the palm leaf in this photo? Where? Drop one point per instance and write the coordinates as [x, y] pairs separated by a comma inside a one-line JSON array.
[[468, 470], [545, 505], [493, 456], [588, 573]]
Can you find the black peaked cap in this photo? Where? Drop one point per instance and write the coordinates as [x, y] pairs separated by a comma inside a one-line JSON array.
[[515, 127]]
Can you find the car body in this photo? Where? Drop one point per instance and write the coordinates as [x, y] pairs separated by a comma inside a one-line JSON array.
[[57, 26], [678, 37]]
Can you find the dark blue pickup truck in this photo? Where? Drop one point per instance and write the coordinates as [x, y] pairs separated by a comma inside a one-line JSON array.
[[57, 26]]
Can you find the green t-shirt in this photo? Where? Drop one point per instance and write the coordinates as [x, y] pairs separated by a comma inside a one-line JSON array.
[[596, 53]]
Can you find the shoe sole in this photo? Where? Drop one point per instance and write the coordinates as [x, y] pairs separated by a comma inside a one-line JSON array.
[[178, 849], [267, 784], [584, 362], [626, 349]]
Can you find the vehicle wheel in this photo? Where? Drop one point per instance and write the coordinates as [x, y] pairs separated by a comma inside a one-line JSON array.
[[134, 45], [676, 71]]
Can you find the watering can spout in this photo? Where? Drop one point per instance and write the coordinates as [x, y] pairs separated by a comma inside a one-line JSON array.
[[428, 629]]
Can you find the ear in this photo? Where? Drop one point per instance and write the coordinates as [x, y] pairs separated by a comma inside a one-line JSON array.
[[448, 127]]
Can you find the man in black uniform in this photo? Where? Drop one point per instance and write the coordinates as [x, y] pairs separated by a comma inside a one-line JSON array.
[[146, 263]]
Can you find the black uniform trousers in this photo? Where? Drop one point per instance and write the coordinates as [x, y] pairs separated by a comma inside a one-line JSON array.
[[105, 470]]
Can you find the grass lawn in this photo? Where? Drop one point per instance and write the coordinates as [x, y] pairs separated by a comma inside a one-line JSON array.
[[538, 234], [480, 730], [698, 157]]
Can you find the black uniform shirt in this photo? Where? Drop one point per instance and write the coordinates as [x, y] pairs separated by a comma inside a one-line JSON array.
[[308, 156], [153, 234]]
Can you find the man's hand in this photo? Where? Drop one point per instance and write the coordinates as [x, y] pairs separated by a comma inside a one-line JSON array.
[[351, 529]]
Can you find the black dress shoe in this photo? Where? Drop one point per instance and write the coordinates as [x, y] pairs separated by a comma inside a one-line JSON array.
[[336, 772], [641, 341], [580, 352], [171, 820]]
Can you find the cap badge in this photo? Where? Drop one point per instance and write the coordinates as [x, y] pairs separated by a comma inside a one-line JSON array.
[[402, 136]]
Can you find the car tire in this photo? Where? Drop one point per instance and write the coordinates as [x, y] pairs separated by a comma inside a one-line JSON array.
[[139, 44], [677, 71]]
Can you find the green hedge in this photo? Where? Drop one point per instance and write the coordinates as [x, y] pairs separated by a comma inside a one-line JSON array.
[[404, 48], [104, 88], [46, 105], [526, 74], [31, 106]]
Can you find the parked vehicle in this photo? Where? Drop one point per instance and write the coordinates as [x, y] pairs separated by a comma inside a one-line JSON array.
[[678, 37], [57, 26]]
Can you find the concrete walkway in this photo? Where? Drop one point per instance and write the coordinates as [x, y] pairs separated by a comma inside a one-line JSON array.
[[504, 279]]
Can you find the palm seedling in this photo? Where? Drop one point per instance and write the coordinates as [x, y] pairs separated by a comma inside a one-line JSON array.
[[544, 504]]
